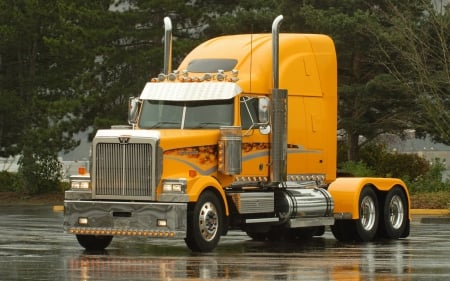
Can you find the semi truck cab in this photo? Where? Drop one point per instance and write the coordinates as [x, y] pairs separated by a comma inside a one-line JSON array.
[[241, 136]]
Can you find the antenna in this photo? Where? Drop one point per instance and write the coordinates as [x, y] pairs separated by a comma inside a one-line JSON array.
[[251, 60]]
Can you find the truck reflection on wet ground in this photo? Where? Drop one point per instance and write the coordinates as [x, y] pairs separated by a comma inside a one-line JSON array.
[[34, 247], [317, 259]]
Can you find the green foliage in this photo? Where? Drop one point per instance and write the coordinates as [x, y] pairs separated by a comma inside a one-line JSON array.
[[9, 181], [397, 165], [431, 181], [414, 170], [356, 169], [413, 43], [40, 174], [68, 65], [409, 166], [377, 161]]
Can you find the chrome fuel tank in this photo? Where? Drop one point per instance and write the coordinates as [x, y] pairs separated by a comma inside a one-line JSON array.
[[293, 202]]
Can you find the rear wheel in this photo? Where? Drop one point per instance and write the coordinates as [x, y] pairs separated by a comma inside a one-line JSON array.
[[367, 224], [362, 229], [344, 230], [94, 242], [204, 223], [395, 211]]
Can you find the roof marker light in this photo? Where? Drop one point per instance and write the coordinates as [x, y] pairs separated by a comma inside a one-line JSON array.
[[207, 76], [220, 75], [161, 77], [172, 76]]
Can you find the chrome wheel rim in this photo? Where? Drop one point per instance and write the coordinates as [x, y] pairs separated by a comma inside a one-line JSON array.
[[367, 213], [208, 221], [396, 212]]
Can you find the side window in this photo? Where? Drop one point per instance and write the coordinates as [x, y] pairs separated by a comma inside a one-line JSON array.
[[249, 112]]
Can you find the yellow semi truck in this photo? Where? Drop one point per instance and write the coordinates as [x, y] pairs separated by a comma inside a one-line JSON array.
[[241, 136]]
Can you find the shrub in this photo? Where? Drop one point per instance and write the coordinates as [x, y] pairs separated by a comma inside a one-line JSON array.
[[431, 181], [40, 174], [414, 170], [397, 165], [356, 169], [9, 181], [409, 166]]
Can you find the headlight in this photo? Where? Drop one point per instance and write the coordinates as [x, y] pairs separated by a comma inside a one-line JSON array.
[[79, 185], [174, 186], [80, 182]]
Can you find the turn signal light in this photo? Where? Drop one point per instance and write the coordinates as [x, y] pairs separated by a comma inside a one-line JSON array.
[[81, 170]]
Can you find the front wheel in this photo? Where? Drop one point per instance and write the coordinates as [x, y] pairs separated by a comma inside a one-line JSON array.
[[395, 212], [257, 236], [204, 223], [94, 242]]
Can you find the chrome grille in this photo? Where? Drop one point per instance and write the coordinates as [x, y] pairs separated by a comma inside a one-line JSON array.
[[123, 170]]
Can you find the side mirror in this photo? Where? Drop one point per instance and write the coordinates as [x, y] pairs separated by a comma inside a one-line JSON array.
[[264, 115], [133, 110], [263, 110]]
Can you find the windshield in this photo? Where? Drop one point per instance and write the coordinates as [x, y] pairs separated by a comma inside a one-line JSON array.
[[186, 114]]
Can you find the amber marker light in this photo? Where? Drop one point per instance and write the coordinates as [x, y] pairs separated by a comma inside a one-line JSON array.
[[192, 173], [82, 170]]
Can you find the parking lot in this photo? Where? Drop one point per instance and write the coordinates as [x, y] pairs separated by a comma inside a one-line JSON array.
[[34, 247]]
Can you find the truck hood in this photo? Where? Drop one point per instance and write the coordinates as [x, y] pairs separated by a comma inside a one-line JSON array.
[[112, 133], [169, 139], [172, 139]]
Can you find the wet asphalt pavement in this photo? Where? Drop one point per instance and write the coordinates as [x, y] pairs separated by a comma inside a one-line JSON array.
[[34, 247]]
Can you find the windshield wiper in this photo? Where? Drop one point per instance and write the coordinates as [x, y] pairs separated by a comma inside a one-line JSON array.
[[160, 123], [204, 124]]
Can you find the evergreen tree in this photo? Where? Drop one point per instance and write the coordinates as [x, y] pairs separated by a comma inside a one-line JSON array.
[[414, 39], [45, 47], [370, 102]]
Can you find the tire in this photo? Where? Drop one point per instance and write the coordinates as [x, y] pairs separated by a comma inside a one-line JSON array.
[[257, 236], [344, 230], [278, 233], [365, 228], [302, 233], [320, 231], [394, 218], [367, 224], [94, 242], [204, 223]]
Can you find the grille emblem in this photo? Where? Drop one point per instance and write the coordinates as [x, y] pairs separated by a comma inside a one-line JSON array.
[[124, 139]]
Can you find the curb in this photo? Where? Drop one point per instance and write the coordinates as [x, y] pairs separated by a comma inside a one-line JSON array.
[[58, 208], [435, 220], [432, 216], [434, 212]]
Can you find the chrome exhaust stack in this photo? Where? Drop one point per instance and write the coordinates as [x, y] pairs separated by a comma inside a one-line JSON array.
[[167, 45], [278, 150], [275, 49]]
